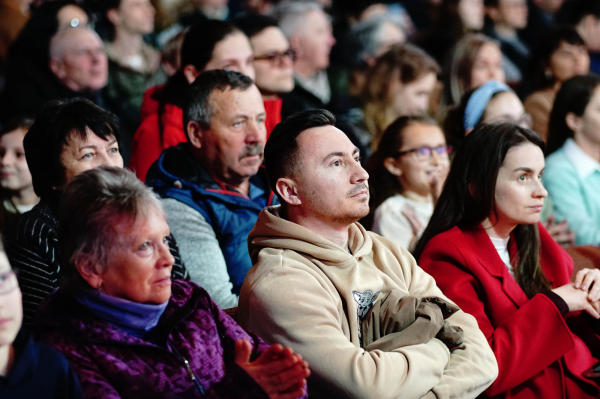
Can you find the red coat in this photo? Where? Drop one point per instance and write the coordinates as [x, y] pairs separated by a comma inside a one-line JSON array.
[[538, 354], [147, 145]]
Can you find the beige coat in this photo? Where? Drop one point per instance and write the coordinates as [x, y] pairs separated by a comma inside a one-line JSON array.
[[306, 292]]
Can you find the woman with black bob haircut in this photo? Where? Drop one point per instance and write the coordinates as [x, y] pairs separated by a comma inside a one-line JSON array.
[[67, 138], [573, 165], [488, 253]]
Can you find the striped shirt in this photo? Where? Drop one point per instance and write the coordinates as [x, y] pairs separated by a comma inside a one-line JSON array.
[[31, 244]]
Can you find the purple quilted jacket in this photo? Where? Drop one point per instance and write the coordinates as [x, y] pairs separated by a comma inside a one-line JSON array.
[[189, 354]]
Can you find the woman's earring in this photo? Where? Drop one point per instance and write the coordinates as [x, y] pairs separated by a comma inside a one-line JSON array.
[[548, 74]]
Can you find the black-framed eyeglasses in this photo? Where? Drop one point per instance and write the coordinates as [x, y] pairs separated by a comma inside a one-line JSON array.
[[425, 153], [8, 282], [277, 59]]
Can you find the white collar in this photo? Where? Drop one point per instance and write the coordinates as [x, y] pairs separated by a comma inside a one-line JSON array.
[[584, 164]]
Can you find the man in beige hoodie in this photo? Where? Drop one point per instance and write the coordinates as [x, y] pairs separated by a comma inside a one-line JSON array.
[[317, 273]]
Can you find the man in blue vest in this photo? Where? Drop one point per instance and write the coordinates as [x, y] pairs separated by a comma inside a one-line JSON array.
[[213, 186]]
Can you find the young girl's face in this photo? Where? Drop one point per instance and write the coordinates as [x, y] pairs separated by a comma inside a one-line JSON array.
[[416, 170], [14, 172]]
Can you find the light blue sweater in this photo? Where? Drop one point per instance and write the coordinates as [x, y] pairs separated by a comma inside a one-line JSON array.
[[572, 179]]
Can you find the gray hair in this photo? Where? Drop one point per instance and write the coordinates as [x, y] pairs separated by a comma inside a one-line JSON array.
[[58, 44], [198, 107], [92, 204], [290, 14], [366, 37]]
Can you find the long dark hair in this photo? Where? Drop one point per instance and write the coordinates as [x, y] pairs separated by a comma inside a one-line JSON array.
[[573, 96], [382, 184], [468, 197], [197, 50]]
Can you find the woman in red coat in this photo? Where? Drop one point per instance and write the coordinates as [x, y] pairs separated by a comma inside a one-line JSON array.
[[488, 252]]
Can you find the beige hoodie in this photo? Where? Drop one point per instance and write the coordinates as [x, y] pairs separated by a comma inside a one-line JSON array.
[[304, 291]]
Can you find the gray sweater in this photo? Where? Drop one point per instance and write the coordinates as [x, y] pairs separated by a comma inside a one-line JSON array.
[[200, 251]]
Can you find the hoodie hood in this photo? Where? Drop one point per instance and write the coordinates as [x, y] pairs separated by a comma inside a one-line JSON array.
[[272, 231]]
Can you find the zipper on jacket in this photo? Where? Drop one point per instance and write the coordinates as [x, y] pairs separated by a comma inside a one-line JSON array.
[[188, 369]]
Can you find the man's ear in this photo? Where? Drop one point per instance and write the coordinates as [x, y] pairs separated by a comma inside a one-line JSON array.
[[57, 68], [114, 16], [194, 133], [191, 73], [573, 122], [86, 266], [390, 164], [295, 44], [288, 191]]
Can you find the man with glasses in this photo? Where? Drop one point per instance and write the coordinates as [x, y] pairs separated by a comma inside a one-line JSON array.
[[329, 289], [273, 62]]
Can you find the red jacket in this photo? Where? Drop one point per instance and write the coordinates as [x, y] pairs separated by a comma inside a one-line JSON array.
[[538, 354], [147, 145]]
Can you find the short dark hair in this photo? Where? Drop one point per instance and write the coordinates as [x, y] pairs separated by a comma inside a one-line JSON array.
[[550, 42], [200, 41], [252, 24], [198, 107], [281, 148], [573, 11], [17, 122], [55, 124]]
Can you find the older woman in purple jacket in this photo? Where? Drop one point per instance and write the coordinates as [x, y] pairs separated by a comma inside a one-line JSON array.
[[128, 330]]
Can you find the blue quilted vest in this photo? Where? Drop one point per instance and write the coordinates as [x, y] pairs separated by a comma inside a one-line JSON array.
[[232, 215]]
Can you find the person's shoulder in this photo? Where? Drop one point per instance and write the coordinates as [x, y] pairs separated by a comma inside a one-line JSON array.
[[558, 163]]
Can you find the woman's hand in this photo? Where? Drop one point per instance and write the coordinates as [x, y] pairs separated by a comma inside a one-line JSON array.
[[588, 280], [560, 232], [577, 299], [436, 184], [279, 372]]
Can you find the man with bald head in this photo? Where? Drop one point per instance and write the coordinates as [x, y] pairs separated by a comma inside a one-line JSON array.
[[78, 60]]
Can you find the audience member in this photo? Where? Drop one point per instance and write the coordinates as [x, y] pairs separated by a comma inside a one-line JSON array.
[[489, 103], [28, 369], [559, 55], [308, 28], [505, 19], [320, 279], [475, 59], [273, 62], [486, 249], [584, 15], [458, 18], [212, 186], [399, 84], [18, 196], [572, 174], [407, 173], [365, 41], [131, 62], [119, 292], [208, 45], [29, 79], [78, 60], [67, 138]]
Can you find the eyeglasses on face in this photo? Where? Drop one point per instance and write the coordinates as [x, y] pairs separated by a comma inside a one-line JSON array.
[[8, 282], [425, 153], [277, 59]]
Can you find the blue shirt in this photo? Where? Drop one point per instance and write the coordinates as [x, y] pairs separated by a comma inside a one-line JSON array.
[[572, 179]]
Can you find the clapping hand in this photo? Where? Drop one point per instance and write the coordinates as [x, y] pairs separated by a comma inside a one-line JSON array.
[[560, 232], [279, 371]]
